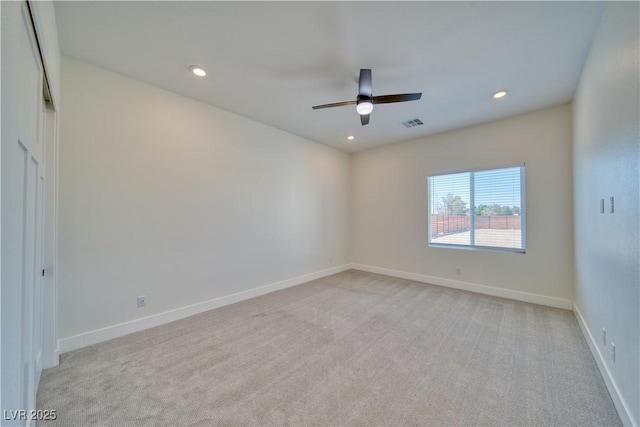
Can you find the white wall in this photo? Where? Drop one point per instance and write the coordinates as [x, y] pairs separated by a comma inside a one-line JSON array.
[[390, 206], [182, 202], [606, 157]]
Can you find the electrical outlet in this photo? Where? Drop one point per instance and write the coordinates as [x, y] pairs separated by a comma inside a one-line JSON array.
[[604, 336], [330, 260], [458, 270], [613, 352], [142, 301]]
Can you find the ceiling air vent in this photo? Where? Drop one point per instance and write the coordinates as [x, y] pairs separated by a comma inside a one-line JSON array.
[[412, 123]]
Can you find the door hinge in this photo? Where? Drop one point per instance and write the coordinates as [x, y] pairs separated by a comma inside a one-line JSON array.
[[43, 272]]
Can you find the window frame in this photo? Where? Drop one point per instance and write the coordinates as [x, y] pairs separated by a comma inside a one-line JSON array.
[[474, 247]]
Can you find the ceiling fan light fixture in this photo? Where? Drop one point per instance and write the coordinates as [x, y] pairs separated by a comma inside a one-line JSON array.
[[364, 107]]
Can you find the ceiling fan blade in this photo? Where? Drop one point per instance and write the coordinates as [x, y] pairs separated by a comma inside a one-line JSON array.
[[365, 119], [364, 82], [400, 97], [335, 104]]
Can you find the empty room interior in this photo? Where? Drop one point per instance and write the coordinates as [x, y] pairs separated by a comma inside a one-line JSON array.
[[320, 213]]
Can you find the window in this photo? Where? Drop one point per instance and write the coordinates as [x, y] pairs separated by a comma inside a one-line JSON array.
[[478, 209]]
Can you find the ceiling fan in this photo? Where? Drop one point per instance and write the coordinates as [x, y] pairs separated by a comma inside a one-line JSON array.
[[365, 100]]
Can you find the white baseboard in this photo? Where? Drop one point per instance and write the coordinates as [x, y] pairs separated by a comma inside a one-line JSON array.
[[621, 406], [93, 337], [471, 287]]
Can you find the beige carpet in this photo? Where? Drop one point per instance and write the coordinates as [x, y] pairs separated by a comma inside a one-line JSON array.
[[350, 349]]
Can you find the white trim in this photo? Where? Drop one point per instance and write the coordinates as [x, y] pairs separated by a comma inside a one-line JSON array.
[[50, 253], [93, 337], [478, 169], [471, 287], [476, 247], [621, 406]]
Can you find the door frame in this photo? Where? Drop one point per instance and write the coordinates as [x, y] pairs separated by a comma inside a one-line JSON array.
[[50, 352]]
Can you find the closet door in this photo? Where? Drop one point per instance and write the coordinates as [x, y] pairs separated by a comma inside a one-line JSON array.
[[21, 213]]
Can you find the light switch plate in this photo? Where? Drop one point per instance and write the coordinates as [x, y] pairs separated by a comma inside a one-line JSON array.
[[611, 204]]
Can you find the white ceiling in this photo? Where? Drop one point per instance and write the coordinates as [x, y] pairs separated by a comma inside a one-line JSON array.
[[271, 61]]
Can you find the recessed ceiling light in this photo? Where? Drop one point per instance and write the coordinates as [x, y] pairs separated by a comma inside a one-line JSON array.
[[351, 137], [499, 94], [198, 70]]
